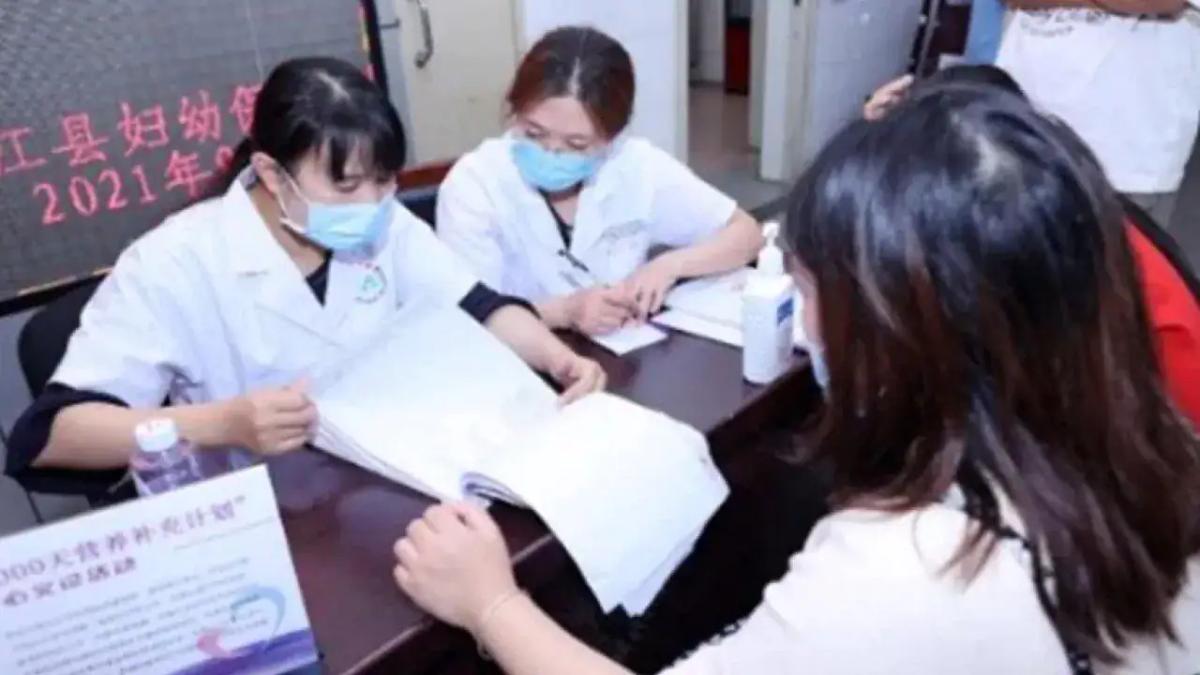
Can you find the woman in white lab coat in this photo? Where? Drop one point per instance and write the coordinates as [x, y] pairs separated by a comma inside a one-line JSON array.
[[564, 210], [227, 307]]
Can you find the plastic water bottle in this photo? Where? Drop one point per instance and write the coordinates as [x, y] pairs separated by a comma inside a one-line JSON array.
[[163, 460]]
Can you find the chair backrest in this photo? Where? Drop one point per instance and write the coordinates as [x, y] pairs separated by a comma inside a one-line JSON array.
[[422, 201], [1165, 243], [43, 339], [40, 347]]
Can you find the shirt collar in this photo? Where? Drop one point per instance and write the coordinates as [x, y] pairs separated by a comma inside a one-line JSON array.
[[245, 235]]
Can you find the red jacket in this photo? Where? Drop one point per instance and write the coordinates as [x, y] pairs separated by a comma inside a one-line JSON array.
[[1175, 317]]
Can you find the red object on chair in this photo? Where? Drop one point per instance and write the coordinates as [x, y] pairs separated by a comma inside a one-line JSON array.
[[1175, 319]]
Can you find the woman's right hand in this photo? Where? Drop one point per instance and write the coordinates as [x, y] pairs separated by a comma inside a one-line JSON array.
[[273, 421], [602, 309], [453, 563]]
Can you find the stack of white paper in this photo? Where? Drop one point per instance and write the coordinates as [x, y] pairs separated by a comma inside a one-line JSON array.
[[625, 489], [711, 307]]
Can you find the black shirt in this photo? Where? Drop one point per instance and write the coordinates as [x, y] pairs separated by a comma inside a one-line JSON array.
[[565, 229]]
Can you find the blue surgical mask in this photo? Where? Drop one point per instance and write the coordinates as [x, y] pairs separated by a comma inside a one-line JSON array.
[[552, 171], [342, 227]]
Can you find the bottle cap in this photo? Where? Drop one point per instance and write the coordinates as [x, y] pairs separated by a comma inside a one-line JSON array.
[[770, 258], [156, 435]]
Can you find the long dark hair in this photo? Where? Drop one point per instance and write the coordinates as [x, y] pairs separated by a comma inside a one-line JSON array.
[[581, 62], [983, 327], [972, 74], [316, 103]]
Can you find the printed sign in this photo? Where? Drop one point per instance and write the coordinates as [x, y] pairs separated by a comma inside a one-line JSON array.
[[197, 581], [117, 113]]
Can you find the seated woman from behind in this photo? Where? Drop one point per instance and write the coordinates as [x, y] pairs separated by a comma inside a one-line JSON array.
[[1014, 491]]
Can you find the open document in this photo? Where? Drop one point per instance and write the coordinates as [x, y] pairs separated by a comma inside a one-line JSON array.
[[711, 307], [443, 407]]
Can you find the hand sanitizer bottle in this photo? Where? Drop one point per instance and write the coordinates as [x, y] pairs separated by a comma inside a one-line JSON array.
[[768, 310]]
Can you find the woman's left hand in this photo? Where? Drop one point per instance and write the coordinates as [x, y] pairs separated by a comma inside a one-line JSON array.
[[649, 285], [453, 563], [578, 376]]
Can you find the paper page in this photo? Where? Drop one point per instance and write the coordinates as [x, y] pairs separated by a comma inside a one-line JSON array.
[[637, 602], [715, 298], [699, 326], [429, 401], [630, 338], [621, 486], [721, 331]]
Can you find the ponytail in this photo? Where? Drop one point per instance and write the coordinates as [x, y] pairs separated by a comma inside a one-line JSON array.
[[313, 105], [223, 180]]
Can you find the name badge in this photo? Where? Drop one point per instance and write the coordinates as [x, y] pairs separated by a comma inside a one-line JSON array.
[[373, 284]]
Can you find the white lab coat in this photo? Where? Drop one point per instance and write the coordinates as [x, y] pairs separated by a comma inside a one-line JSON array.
[[640, 198], [209, 306]]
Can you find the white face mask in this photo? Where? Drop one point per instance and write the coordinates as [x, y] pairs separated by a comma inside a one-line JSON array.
[[816, 354], [816, 351]]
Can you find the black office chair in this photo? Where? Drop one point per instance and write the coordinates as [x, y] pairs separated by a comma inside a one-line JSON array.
[[40, 347], [422, 201]]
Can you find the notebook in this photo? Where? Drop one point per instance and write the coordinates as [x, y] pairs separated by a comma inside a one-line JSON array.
[[440, 405]]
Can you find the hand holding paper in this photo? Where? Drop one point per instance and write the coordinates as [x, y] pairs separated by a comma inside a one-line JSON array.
[[601, 310], [274, 420], [477, 422], [649, 285], [453, 563]]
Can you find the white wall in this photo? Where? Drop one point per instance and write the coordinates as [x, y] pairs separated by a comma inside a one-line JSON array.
[[758, 58], [655, 33], [823, 59], [709, 31]]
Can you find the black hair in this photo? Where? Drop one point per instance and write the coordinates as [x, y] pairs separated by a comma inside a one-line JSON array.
[[980, 74], [319, 103], [983, 327]]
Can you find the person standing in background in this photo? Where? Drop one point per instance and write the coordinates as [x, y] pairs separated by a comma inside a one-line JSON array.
[[1125, 74], [984, 32]]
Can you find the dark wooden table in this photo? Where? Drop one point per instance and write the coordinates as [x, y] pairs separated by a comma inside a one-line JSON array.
[[341, 521]]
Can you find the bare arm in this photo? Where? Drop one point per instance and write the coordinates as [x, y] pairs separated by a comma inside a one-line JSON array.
[[454, 564], [524, 641], [528, 337], [559, 311], [733, 246], [542, 350], [100, 435], [1167, 7]]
